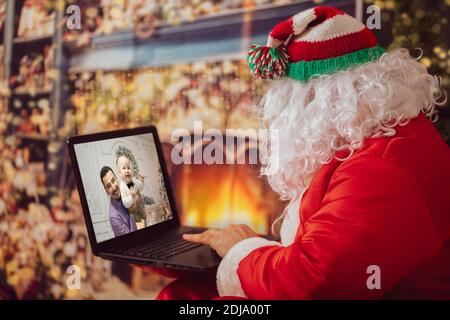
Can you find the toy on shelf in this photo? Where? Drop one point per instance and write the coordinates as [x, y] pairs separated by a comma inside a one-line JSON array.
[[32, 120], [37, 19], [145, 16], [115, 16], [34, 73]]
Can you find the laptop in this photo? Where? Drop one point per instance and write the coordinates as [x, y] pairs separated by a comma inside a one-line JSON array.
[[128, 204]]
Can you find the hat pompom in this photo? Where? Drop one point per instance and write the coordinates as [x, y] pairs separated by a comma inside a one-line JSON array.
[[266, 62]]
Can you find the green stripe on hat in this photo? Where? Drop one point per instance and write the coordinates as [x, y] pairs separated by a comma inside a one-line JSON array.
[[305, 70]]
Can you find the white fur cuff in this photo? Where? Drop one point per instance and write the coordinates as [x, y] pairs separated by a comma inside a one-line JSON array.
[[228, 283]]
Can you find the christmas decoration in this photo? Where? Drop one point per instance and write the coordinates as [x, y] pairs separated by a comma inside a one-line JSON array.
[[37, 19], [34, 72], [144, 16], [217, 93], [148, 200], [35, 250], [266, 62]]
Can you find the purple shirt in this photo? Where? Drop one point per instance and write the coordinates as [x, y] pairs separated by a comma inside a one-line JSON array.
[[121, 222]]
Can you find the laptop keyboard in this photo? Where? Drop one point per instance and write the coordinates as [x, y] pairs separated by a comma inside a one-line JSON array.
[[164, 248]]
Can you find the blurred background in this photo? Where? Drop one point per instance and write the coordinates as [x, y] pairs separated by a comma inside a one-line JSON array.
[[133, 63]]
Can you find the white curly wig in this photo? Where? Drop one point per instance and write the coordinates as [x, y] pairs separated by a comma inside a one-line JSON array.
[[314, 119]]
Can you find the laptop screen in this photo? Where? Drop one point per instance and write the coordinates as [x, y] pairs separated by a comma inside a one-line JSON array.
[[123, 184]]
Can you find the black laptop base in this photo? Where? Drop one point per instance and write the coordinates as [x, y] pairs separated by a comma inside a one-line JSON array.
[[169, 251]]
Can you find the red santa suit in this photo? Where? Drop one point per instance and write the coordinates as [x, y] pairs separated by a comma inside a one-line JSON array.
[[388, 206]]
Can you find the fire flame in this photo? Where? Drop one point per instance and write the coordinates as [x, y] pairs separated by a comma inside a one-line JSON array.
[[216, 196]]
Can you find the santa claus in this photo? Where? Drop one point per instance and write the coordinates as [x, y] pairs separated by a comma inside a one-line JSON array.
[[365, 171]]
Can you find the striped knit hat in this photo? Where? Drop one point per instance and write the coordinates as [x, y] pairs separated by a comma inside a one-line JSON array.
[[317, 41]]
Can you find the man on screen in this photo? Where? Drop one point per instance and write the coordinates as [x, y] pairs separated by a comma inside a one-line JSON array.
[[121, 221]]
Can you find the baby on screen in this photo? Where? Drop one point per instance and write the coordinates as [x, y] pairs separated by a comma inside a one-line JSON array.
[[130, 189]]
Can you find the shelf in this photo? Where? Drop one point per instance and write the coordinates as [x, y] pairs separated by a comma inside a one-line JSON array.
[[31, 136], [31, 40], [30, 93], [213, 37]]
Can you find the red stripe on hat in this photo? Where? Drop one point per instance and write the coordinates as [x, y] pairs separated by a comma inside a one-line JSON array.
[[324, 13], [307, 51], [282, 30], [327, 12]]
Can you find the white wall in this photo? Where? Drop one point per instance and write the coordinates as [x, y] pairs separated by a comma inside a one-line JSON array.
[[92, 156]]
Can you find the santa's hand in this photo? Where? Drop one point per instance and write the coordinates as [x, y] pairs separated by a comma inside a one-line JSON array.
[[141, 177], [222, 240]]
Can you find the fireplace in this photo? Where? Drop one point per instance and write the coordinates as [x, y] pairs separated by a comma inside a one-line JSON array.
[[215, 195]]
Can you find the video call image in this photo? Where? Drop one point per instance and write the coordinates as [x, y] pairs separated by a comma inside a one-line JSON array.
[[124, 185]]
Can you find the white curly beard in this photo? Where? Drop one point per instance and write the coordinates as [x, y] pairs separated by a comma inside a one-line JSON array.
[[337, 112]]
